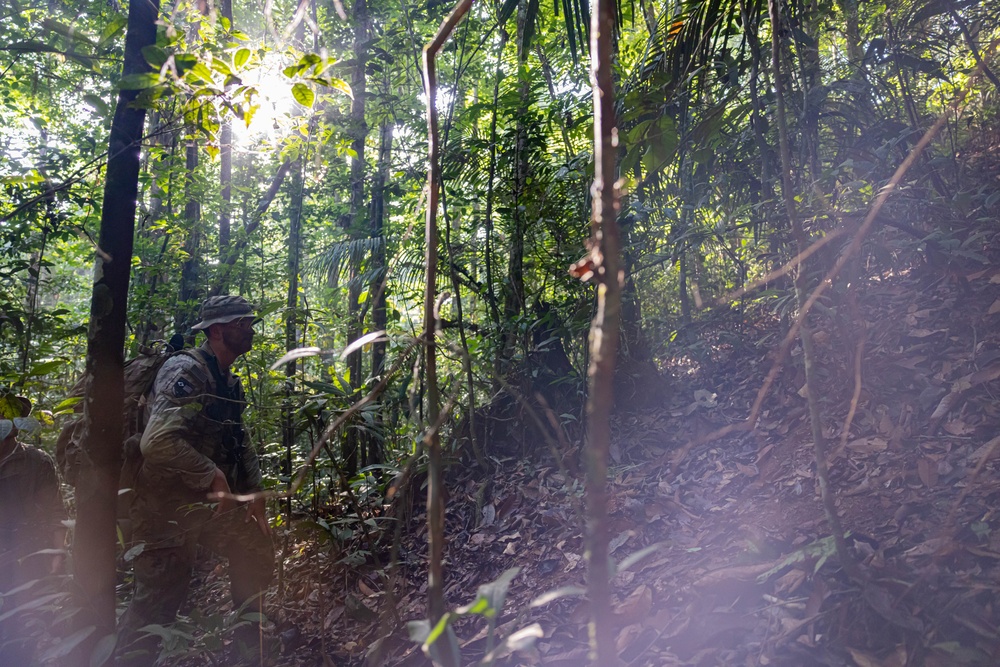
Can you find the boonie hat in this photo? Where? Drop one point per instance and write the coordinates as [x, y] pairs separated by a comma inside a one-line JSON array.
[[223, 309]]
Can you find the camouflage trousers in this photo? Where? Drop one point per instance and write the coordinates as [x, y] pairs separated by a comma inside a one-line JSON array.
[[163, 575]]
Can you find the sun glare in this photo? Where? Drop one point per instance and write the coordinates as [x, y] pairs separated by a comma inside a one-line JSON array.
[[275, 105]]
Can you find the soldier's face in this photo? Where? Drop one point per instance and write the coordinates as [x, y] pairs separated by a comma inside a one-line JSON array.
[[238, 335]]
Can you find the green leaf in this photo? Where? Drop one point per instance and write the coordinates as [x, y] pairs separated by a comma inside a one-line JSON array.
[[519, 640], [220, 65], [27, 424], [139, 81], [67, 405], [634, 558], [114, 28], [202, 72], [561, 592], [69, 32], [303, 94], [46, 367], [100, 106], [241, 57], [342, 86], [506, 11], [155, 55]]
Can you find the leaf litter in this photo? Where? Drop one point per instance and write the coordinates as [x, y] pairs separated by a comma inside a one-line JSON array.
[[739, 567]]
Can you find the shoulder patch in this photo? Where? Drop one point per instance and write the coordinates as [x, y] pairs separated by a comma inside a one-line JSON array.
[[182, 388]]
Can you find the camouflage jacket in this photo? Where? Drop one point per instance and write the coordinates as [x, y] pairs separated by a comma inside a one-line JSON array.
[[195, 428]]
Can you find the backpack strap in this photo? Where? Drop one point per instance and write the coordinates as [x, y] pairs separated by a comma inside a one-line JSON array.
[[231, 414]]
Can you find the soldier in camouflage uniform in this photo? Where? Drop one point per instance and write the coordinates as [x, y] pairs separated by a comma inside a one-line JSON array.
[[31, 512], [193, 451]]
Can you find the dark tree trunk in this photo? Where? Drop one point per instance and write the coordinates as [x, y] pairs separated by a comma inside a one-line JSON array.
[[94, 539]]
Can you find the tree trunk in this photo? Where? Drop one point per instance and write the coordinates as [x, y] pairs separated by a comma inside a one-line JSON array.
[[354, 443], [604, 333], [94, 539], [226, 160], [377, 221], [515, 296], [189, 288]]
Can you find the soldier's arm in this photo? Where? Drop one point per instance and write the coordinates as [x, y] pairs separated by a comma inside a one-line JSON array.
[[167, 451]]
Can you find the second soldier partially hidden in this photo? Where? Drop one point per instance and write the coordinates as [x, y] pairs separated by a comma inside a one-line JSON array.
[[193, 453]]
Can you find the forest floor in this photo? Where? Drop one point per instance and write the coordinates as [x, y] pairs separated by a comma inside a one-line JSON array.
[[743, 571]]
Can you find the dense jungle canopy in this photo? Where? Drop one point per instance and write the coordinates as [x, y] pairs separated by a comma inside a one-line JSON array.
[[798, 180]]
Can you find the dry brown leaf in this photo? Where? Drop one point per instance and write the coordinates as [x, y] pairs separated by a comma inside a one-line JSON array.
[[635, 607], [995, 308], [927, 470], [872, 445], [333, 616], [958, 427], [923, 333], [862, 659], [627, 635]]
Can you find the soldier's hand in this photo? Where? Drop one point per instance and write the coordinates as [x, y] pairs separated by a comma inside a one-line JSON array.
[[257, 512], [221, 492]]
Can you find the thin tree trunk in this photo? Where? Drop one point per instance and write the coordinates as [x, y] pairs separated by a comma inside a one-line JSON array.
[[604, 333], [446, 648], [189, 288], [514, 302], [377, 221], [490, 195], [805, 331], [226, 160], [355, 444], [94, 538]]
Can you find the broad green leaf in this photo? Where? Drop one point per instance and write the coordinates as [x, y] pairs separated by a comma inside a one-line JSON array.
[[308, 60], [114, 28], [100, 106], [69, 32], [27, 424], [241, 57], [220, 65], [296, 354], [342, 86], [303, 94], [506, 11], [519, 640], [201, 71], [10, 406], [139, 81], [562, 592], [46, 367], [155, 55]]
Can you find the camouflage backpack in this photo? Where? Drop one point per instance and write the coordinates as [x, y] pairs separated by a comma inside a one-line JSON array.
[[140, 373]]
